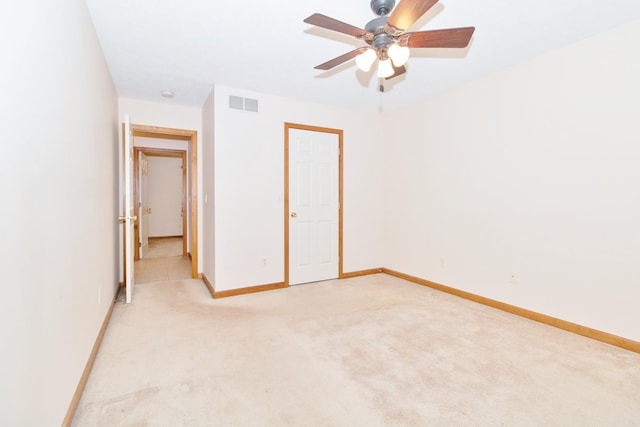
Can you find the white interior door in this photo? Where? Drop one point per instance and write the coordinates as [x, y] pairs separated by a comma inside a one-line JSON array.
[[129, 211], [144, 211], [313, 206]]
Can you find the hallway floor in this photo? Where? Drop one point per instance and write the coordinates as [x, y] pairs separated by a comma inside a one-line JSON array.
[[163, 261]]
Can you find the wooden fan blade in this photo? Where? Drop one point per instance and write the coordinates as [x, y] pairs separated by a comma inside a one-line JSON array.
[[452, 37], [324, 21], [340, 59], [406, 13], [397, 71]]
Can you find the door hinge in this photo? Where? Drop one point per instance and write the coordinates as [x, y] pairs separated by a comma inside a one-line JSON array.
[[139, 244]]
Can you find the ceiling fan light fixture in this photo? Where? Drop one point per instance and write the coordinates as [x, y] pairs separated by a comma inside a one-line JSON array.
[[364, 61], [388, 38], [385, 69], [398, 54]]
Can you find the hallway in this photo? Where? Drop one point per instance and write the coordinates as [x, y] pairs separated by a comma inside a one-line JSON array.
[[163, 261]]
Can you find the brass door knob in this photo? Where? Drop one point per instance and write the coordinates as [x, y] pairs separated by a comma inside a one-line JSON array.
[[124, 218], [294, 215]]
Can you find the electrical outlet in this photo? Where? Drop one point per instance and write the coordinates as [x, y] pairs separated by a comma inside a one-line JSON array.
[[513, 278], [264, 261]]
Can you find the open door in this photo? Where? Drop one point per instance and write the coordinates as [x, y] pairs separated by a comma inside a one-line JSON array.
[[129, 216]]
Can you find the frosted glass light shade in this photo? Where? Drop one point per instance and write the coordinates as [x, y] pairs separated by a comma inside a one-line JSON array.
[[398, 54], [365, 60], [385, 69]]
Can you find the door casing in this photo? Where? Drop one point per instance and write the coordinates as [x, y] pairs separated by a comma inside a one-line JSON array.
[[191, 136]]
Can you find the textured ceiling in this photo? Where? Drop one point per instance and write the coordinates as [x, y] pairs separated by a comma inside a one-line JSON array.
[[189, 46]]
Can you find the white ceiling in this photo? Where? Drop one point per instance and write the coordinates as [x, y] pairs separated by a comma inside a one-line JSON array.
[[188, 46]]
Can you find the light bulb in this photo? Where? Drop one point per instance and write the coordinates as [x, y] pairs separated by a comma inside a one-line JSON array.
[[385, 69], [365, 60], [398, 54]]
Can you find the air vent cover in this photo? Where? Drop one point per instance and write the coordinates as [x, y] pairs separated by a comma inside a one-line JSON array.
[[236, 102], [251, 105]]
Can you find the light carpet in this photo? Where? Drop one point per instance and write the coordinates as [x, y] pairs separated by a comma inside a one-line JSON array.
[[369, 351], [163, 247]]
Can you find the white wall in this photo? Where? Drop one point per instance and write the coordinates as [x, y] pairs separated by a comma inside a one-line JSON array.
[[165, 196], [249, 186], [170, 116], [534, 170], [208, 200], [59, 216]]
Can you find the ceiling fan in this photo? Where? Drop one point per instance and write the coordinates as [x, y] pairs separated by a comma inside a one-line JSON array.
[[387, 36]]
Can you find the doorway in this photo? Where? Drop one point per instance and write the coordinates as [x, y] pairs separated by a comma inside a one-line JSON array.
[[190, 214], [175, 188], [313, 204]]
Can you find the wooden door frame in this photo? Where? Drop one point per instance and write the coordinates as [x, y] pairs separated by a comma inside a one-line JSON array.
[[191, 136], [158, 152], [340, 133]]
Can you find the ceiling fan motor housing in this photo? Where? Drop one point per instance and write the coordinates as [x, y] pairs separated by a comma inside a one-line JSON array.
[[382, 7], [381, 40]]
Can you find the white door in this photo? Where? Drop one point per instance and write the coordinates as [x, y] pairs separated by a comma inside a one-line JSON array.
[[129, 216], [313, 206], [144, 210]]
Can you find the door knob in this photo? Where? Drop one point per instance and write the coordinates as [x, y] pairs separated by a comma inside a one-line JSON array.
[[293, 214], [124, 218]]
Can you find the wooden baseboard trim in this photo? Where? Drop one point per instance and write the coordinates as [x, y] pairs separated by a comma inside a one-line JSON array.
[[248, 290], [73, 406], [209, 285], [585, 331], [352, 274], [279, 285]]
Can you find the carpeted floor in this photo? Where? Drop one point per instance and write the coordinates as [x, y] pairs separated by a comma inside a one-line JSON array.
[[368, 351], [163, 261], [163, 247]]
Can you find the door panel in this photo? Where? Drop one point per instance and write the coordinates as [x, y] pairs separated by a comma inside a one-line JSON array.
[[129, 211], [325, 244], [302, 248], [313, 205]]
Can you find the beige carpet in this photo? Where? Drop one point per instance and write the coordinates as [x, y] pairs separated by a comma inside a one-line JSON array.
[[163, 247], [369, 351], [161, 269], [163, 261]]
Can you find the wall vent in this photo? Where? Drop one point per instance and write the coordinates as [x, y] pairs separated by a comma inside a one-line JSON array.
[[251, 105], [236, 102], [240, 103]]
